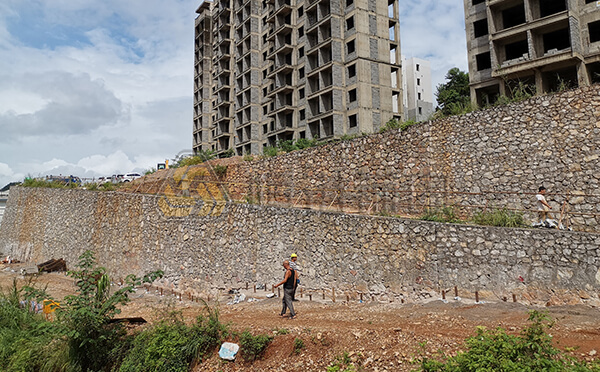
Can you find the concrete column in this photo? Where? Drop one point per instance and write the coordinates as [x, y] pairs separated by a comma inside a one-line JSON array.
[[539, 83], [583, 78]]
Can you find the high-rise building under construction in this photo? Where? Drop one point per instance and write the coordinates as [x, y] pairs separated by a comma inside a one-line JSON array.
[[275, 70], [531, 46]]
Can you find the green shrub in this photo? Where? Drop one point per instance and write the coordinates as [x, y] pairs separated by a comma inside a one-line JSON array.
[[173, 346], [92, 186], [445, 214], [500, 217], [298, 345], [248, 157], [33, 182], [252, 347], [395, 124], [26, 338], [220, 170], [287, 146], [188, 161], [227, 153], [150, 170], [303, 143], [270, 151], [281, 331], [83, 318], [496, 350], [342, 363]]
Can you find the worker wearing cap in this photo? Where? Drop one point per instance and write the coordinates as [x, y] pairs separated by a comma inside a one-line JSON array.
[[294, 265]]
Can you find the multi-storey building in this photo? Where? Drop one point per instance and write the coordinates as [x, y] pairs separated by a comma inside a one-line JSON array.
[[276, 70], [417, 89], [539, 45]]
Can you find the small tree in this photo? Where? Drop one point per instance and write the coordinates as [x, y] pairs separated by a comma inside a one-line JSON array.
[[84, 318], [453, 97]]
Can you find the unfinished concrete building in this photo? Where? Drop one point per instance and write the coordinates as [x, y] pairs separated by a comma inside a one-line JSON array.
[[417, 89], [531, 45], [274, 70]]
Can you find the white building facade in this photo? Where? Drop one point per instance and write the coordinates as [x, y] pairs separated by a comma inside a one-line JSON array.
[[418, 91]]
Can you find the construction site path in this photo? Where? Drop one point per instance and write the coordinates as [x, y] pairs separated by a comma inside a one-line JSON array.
[[375, 336]]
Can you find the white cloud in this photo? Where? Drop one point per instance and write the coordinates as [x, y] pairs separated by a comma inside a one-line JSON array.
[[98, 87], [434, 30]]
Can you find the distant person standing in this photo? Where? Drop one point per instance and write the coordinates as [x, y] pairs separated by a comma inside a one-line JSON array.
[[289, 283], [543, 206], [294, 265]]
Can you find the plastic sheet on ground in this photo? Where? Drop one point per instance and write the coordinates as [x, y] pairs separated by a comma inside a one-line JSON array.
[[228, 351]]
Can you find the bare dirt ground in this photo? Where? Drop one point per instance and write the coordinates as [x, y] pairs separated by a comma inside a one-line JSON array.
[[376, 336]]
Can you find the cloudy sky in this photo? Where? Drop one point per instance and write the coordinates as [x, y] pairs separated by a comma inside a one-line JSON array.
[[94, 88]]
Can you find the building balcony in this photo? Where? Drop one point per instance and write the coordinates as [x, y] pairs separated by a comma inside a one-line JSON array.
[[280, 69], [284, 48], [316, 69], [545, 22], [515, 66], [320, 90], [222, 103], [282, 8], [320, 115], [316, 23], [283, 109], [283, 29], [311, 5], [318, 45], [222, 87], [285, 88], [223, 55]]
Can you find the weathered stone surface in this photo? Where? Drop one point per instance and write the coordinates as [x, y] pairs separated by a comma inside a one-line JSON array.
[[496, 158], [246, 243]]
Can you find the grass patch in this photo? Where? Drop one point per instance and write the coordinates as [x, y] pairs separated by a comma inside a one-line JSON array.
[[500, 217], [298, 345], [393, 124], [172, 345], [252, 347], [444, 214], [495, 350]]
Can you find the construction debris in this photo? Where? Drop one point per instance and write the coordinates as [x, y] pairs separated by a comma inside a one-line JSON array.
[[228, 351], [10, 260], [53, 265]]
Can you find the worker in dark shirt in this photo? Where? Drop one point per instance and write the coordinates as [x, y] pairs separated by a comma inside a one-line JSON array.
[[289, 282]]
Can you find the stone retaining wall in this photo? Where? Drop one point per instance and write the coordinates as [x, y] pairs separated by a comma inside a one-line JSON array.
[[491, 158], [131, 233]]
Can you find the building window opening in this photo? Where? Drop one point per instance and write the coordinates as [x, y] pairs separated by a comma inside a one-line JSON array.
[[559, 80], [594, 72], [557, 40], [350, 23], [352, 121], [352, 71], [480, 27], [513, 16], [350, 47], [352, 95], [475, 2], [594, 30], [516, 50], [484, 61], [549, 7]]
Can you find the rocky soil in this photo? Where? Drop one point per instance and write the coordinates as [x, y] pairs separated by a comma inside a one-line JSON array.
[[375, 336]]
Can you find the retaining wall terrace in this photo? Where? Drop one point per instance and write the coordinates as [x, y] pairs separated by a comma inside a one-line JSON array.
[[492, 158], [134, 233]]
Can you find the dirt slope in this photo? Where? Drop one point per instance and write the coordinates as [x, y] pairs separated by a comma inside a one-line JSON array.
[[376, 336]]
